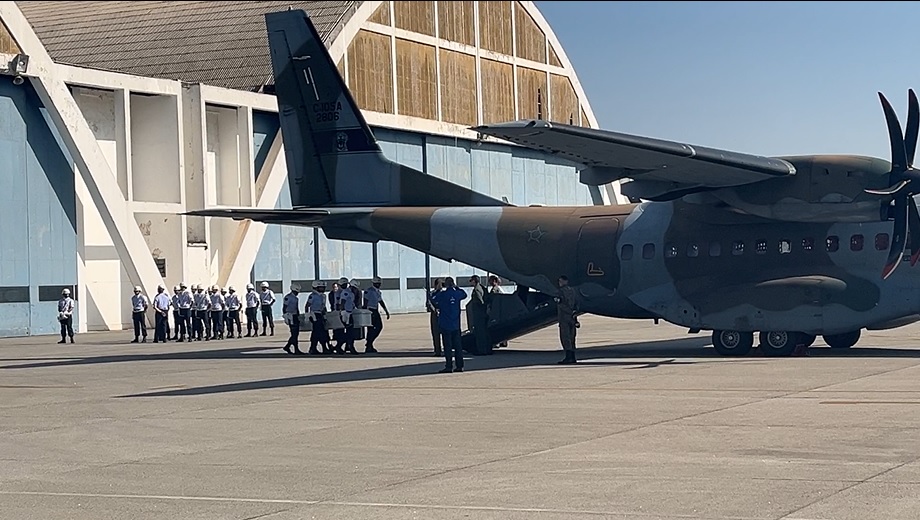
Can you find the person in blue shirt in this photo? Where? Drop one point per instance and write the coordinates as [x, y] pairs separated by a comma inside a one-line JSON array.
[[447, 302]]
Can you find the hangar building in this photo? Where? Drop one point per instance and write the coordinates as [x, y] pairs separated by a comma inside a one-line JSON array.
[[126, 114]]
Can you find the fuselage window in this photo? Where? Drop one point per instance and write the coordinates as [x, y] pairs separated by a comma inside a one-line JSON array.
[[761, 248], [881, 241], [626, 252], [648, 251], [693, 250], [856, 243], [785, 247], [738, 247], [715, 249], [808, 244], [832, 243], [670, 251]]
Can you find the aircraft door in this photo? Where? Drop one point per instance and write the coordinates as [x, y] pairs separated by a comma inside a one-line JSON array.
[[597, 268]]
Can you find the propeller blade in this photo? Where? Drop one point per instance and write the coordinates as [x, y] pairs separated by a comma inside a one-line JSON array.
[[898, 238], [891, 190], [913, 230], [898, 153], [913, 126]]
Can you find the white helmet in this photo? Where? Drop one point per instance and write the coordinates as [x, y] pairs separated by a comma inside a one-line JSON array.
[[182, 285], [161, 287], [295, 287], [176, 288], [231, 289], [343, 281], [223, 290], [355, 282], [265, 285], [376, 280], [249, 286], [66, 292], [215, 287], [137, 288], [318, 283]]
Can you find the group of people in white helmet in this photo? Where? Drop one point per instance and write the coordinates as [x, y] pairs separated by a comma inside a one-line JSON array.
[[198, 315], [345, 297]]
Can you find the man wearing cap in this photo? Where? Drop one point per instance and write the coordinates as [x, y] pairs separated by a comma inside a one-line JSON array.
[[448, 304], [345, 301], [233, 313], [316, 308], [185, 312], [161, 312], [218, 304], [373, 299], [252, 309], [202, 319], [139, 305], [290, 307], [266, 300], [174, 300], [65, 315]]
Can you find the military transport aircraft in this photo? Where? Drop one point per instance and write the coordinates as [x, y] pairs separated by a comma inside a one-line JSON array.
[[790, 247]]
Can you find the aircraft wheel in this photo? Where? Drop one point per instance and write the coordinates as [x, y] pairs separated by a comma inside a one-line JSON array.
[[777, 343], [845, 340], [732, 342]]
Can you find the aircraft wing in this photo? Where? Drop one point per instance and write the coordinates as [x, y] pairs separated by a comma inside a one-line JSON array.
[[337, 223], [661, 169]]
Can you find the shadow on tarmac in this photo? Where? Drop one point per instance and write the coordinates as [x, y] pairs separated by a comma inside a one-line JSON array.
[[692, 350]]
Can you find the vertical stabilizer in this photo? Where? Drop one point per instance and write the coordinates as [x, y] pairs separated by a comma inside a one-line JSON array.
[[332, 156]]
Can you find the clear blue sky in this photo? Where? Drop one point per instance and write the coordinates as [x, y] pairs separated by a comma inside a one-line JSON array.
[[757, 77]]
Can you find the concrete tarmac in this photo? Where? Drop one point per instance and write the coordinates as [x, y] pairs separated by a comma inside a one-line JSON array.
[[650, 424]]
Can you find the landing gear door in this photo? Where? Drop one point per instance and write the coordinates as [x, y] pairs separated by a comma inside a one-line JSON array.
[[596, 263]]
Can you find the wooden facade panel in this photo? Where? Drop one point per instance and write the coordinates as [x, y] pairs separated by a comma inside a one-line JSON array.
[[495, 27], [584, 119], [416, 79], [456, 23], [341, 66], [7, 43], [553, 57], [414, 16], [382, 14], [532, 94], [531, 42], [497, 91], [458, 88], [564, 106], [370, 71]]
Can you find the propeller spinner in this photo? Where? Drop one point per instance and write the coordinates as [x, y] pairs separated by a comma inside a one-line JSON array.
[[902, 176]]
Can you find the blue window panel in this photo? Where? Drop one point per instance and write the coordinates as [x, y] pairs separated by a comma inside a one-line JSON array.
[[501, 184], [359, 257], [268, 260], [439, 268], [518, 188], [388, 149], [536, 182], [459, 165], [388, 265], [410, 154], [265, 126], [297, 253], [331, 258], [435, 153], [44, 317], [15, 317], [566, 187], [412, 263]]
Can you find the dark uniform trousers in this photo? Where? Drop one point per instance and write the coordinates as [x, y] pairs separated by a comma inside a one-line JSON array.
[[185, 322], [252, 320], [435, 333], [319, 335], [376, 327], [140, 323], [217, 324], [197, 323], [293, 341], [480, 330], [67, 327], [567, 335], [177, 323], [161, 323], [234, 317], [452, 345], [267, 319]]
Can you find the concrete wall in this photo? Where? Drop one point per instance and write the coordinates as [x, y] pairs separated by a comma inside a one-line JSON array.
[[38, 209], [155, 148]]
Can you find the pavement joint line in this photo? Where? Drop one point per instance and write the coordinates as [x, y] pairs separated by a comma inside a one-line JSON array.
[[353, 504]]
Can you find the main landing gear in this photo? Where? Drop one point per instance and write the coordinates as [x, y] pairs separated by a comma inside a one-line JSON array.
[[775, 343]]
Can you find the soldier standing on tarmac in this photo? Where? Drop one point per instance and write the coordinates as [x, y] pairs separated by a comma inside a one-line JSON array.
[[316, 309], [290, 307], [233, 313], [567, 308], [373, 301], [185, 301], [267, 299], [252, 310]]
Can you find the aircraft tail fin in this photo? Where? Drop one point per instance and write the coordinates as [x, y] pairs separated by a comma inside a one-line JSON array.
[[333, 158]]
